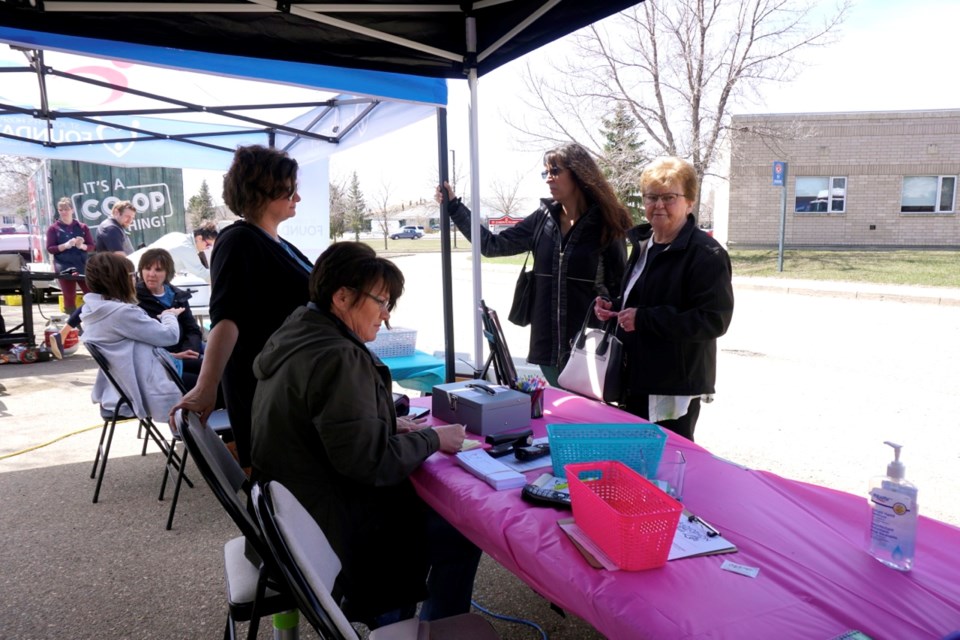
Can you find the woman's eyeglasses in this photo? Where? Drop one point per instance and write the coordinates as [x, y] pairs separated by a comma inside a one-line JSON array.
[[383, 304], [552, 171], [651, 199], [291, 192]]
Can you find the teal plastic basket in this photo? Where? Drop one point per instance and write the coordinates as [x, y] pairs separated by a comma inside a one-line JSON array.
[[638, 446]]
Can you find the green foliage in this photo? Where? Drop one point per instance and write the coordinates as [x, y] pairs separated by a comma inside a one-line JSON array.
[[200, 208], [338, 210], [356, 208], [623, 159]]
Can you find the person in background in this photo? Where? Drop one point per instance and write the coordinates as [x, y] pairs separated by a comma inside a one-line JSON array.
[[258, 279], [324, 425], [155, 295], [130, 340], [112, 232], [69, 242], [577, 240], [204, 238], [676, 300]]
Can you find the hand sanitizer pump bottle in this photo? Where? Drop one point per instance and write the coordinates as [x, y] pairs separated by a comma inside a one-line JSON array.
[[893, 516]]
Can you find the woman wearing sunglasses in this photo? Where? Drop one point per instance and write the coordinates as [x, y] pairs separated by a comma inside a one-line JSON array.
[[676, 300], [258, 279], [576, 239]]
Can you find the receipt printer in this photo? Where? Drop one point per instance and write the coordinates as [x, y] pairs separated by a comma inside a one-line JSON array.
[[483, 408]]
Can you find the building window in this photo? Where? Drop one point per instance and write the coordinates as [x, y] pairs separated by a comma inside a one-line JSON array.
[[928, 194], [821, 195]]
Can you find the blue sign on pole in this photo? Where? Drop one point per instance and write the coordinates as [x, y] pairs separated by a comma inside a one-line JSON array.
[[779, 171]]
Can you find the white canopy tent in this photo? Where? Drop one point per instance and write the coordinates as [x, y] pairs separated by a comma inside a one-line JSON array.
[[75, 102]]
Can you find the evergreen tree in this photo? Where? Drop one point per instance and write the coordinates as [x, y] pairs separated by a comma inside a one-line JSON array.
[[356, 208], [623, 159], [338, 210], [201, 207]]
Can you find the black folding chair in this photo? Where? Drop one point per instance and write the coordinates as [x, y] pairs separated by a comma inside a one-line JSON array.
[[311, 567], [218, 421], [110, 419], [255, 585]]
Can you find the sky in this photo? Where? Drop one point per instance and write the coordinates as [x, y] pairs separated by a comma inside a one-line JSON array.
[[890, 55]]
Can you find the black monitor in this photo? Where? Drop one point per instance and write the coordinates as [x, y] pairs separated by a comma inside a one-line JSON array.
[[503, 367]]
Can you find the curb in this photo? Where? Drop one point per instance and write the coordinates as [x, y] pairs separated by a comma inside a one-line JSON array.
[[854, 291]]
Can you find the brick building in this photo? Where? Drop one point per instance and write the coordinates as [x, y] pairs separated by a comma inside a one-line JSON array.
[[865, 179]]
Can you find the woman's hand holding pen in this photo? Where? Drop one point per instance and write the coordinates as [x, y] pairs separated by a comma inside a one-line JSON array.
[[451, 437]]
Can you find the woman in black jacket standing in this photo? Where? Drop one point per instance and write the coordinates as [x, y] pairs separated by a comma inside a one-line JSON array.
[[576, 237], [676, 300]]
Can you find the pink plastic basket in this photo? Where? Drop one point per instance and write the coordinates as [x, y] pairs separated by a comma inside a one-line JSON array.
[[628, 517]]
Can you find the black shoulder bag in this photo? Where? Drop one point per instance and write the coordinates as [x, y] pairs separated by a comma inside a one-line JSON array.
[[521, 310]]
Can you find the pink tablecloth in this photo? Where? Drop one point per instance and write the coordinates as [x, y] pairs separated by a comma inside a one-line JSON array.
[[815, 581]]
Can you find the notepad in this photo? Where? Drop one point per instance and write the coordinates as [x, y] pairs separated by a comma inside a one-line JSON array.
[[490, 470]]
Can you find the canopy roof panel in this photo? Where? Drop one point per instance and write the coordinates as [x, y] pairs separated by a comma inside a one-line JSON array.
[[430, 38]]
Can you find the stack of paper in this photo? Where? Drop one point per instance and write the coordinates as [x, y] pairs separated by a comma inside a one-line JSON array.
[[490, 470]]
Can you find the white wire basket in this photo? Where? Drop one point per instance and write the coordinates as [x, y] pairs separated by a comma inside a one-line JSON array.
[[394, 343]]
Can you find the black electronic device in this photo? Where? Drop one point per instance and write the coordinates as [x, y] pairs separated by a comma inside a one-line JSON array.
[[525, 437], [500, 450], [418, 412], [532, 452], [540, 496], [401, 403]]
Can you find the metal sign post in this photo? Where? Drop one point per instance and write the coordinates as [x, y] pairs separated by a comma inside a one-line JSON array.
[[780, 180]]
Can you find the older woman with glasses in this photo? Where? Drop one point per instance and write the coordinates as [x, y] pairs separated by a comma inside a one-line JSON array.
[[258, 279], [325, 426], [576, 238], [676, 300]]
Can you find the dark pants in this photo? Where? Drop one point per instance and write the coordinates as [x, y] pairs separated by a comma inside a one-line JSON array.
[[639, 405], [69, 290], [453, 567]]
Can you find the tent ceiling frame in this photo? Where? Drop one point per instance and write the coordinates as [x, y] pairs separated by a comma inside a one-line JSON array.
[[228, 112], [318, 13]]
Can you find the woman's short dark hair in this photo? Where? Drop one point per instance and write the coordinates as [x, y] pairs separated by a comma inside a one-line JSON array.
[[109, 275], [257, 176], [160, 258], [356, 266]]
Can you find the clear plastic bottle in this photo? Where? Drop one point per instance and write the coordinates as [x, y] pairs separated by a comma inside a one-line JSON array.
[[893, 516]]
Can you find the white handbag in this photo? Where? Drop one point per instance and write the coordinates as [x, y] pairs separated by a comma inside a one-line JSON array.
[[593, 369]]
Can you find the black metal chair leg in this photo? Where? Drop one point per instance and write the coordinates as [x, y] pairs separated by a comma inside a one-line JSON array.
[[176, 488], [103, 461], [96, 459]]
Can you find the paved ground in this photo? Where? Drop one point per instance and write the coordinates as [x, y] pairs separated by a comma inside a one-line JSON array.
[[808, 387]]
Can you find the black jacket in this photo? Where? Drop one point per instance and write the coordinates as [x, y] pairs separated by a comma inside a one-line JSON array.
[[570, 272], [684, 302], [324, 425], [190, 334]]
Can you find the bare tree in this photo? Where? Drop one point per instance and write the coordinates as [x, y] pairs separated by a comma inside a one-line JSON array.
[[381, 202], [678, 66], [504, 196], [15, 175]]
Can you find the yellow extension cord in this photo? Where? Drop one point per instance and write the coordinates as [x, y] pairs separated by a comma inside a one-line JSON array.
[[57, 439]]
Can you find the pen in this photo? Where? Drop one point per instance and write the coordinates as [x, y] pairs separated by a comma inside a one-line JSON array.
[[712, 531]]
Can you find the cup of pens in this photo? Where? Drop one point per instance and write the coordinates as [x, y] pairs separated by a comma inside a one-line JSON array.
[[533, 387]]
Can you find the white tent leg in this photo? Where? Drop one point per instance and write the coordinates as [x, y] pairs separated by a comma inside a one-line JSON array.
[[475, 219]]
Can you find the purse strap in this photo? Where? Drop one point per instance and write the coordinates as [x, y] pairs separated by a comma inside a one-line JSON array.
[[544, 214], [608, 328]]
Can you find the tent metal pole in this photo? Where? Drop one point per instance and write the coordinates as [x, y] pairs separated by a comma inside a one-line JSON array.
[[446, 267], [475, 218]]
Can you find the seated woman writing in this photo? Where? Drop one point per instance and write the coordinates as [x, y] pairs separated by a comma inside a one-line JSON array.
[[129, 339], [324, 425], [155, 295]]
